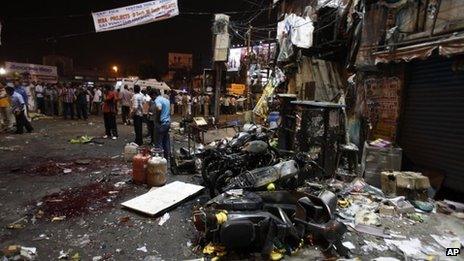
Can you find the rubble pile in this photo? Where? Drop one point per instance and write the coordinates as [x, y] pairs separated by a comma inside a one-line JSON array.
[[272, 203]]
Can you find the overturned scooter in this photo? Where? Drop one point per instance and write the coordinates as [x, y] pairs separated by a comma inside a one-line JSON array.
[[245, 221], [314, 216]]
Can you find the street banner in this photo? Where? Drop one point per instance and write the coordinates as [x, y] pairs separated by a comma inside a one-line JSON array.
[[34, 72], [134, 15]]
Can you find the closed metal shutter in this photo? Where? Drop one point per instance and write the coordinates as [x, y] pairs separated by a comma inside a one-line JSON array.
[[432, 122]]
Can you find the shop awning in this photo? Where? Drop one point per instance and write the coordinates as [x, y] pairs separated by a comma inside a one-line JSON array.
[[449, 46]]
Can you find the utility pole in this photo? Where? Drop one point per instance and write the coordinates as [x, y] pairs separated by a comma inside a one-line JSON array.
[[220, 51], [249, 52]]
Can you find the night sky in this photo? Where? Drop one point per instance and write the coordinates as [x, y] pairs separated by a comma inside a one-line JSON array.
[[32, 29]]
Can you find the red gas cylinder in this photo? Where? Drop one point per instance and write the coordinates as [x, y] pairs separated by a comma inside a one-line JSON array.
[[139, 166]]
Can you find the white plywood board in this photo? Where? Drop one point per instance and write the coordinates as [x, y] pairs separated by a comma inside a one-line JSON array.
[[157, 200]]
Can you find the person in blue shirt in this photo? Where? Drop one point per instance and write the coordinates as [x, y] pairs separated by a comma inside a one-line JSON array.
[[20, 89], [163, 123], [18, 106]]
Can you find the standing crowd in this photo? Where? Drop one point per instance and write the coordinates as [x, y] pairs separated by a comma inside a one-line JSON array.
[[148, 107], [195, 105]]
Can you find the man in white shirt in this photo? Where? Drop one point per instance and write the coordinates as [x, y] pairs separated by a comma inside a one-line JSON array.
[[39, 94], [226, 104], [96, 102], [137, 114]]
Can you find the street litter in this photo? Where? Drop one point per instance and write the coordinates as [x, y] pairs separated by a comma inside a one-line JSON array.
[[63, 255], [81, 140], [163, 219], [28, 253], [143, 249], [60, 218], [369, 246], [349, 245], [15, 226], [18, 224], [447, 242], [41, 237], [119, 184], [410, 248], [11, 148]]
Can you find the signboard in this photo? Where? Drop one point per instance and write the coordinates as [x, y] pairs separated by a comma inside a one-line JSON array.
[[180, 61], [134, 15], [34, 72], [238, 89], [383, 101], [233, 64], [264, 53]]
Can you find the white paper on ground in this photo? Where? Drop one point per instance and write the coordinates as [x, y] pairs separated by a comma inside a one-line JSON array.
[[447, 242], [156, 201], [409, 247], [143, 249], [349, 245], [163, 219]]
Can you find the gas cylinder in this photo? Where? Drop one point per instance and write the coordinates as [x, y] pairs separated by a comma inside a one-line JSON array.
[[157, 169], [130, 150], [139, 166]]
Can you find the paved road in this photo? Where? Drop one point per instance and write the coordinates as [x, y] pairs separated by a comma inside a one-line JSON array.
[[98, 226]]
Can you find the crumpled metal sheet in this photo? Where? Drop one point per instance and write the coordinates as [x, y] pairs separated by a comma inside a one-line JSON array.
[[406, 54], [447, 49]]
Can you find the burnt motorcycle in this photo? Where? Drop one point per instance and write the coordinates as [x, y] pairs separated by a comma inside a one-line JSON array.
[[219, 165]]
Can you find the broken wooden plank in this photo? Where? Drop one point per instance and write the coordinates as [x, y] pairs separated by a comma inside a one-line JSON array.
[[156, 201]]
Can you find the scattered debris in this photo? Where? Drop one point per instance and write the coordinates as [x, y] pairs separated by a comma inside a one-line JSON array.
[[163, 219], [28, 253], [81, 140], [11, 148], [119, 184], [370, 245], [416, 217], [59, 218], [410, 248], [63, 255], [447, 242], [349, 245], [41, 237], [143, 249], [18, 224], [367, 218]]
